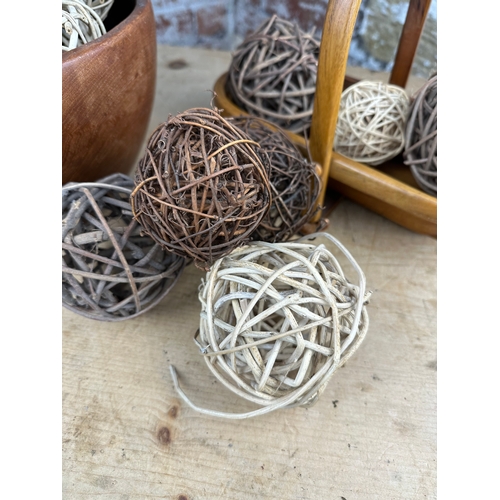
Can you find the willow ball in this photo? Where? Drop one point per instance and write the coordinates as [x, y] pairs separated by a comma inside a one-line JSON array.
[[202, 187], [82, 22], [102, 7], [109, 271], [295, 183], [272, 74], [421, 137], [371, 122], [278, 320]]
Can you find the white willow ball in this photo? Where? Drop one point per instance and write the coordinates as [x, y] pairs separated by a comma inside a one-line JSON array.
[[82, 22], [101, 7], [277, 321], [371, 122]]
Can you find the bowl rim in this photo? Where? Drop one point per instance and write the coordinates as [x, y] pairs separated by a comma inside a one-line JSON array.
[[139, 8]]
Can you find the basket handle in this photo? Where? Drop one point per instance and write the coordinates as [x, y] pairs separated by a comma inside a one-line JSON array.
[[408, 41], [335, 42]]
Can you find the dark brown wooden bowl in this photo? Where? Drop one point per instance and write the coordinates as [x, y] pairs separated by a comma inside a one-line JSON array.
[[108, 88]]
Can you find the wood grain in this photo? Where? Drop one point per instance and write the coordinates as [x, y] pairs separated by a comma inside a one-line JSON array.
[[371, 435]]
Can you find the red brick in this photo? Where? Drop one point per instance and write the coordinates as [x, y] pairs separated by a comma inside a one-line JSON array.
[[212, 21], [162, 23], [185, 22]]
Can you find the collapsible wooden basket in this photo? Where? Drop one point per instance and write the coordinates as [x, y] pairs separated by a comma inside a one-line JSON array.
[[389, 189]]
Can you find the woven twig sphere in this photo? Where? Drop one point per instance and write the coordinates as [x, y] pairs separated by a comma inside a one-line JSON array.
[[371, 122], [278, 320], [202, 186], [421, 137], [101, 7], [273, 74], [109, 271], [294, 182], [81, 24]]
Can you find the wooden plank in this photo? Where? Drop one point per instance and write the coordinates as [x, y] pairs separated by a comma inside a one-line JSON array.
[[372, 434]]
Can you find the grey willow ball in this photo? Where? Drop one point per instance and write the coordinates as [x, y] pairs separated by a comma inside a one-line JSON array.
[[294, 182], [110, 272], [272, 74], [202, 186], [420, 152]]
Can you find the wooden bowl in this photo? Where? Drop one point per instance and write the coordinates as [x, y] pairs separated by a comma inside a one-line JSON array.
[[108, 88], [388, 190]]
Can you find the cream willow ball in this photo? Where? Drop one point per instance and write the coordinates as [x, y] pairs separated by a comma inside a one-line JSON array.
[[371, 122], [82, 21], [277, 321]]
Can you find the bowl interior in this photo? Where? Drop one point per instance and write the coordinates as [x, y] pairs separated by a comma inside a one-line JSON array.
[[119, 11]]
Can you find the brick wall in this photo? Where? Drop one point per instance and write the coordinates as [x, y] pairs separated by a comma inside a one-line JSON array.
[[222, 24]]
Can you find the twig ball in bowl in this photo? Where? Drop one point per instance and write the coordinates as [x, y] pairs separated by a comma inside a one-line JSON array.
[[110, 272], [371, 122], [294, 181], [202, 186], [81, 23]]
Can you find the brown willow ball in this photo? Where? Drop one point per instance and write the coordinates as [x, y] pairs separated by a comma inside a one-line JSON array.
[[272, 74], [202, 187], [420, 152], [110, 272], [294, 182]]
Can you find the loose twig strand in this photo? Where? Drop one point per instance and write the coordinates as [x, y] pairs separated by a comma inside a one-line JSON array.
[[273, 74], [82, 21], [294, 182], [371, 122], [202, 187], [277, 321], [421, 137], [110, 271]]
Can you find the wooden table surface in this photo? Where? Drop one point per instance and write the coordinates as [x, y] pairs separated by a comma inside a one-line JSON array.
[[372, 434]]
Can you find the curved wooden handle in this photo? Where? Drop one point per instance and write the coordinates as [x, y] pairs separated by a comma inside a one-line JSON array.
[[334, 49]]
